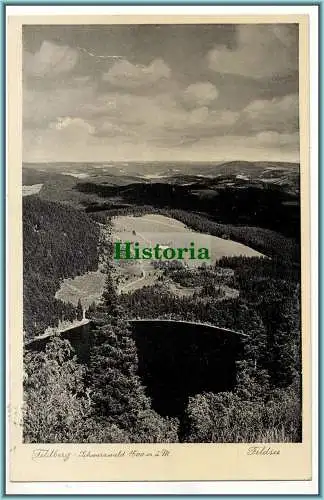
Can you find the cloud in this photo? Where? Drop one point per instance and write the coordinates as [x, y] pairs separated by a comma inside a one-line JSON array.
[[160, 120], [81, 80], [279, 114], [109, 128], [200, 93], [233, 147], [51, 60], [262, 51], [275, 139], [41, 107], [73, 126], [158, 116], [133, 110], [209, 102], [49, 145], [223, 118], [80, 121], [127, 75], [198, 116]]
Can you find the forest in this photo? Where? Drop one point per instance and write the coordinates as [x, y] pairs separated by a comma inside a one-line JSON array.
[[107, 401], [58, 242], [268, 206]]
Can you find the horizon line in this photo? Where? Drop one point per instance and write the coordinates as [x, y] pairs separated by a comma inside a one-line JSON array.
[[158, 161]]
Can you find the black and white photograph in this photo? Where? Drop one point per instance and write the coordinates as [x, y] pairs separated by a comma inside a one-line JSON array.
[[161, 234]]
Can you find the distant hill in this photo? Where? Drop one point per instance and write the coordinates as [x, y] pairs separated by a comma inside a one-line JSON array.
[[162, 169], [60, 179]]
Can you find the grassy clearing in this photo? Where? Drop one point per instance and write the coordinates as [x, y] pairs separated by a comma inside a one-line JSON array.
[[150, 229], [88, 288], [182, 291], [33, 189]]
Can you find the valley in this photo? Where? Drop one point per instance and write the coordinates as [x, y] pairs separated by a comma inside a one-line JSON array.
[[132, 328]]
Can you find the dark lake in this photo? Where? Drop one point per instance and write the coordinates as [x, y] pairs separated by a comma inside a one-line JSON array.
[[176, 359], [180, 359]]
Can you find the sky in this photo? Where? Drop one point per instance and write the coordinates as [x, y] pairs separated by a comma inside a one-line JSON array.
[[211, 92]]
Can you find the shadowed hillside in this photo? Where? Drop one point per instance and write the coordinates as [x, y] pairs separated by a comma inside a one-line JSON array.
[[58, 242]]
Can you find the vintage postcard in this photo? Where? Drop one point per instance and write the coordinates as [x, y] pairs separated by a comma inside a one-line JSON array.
[[159, 248]]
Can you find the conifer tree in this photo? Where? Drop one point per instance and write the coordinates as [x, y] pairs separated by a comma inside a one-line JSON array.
[[79, 313], [116, 390]]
